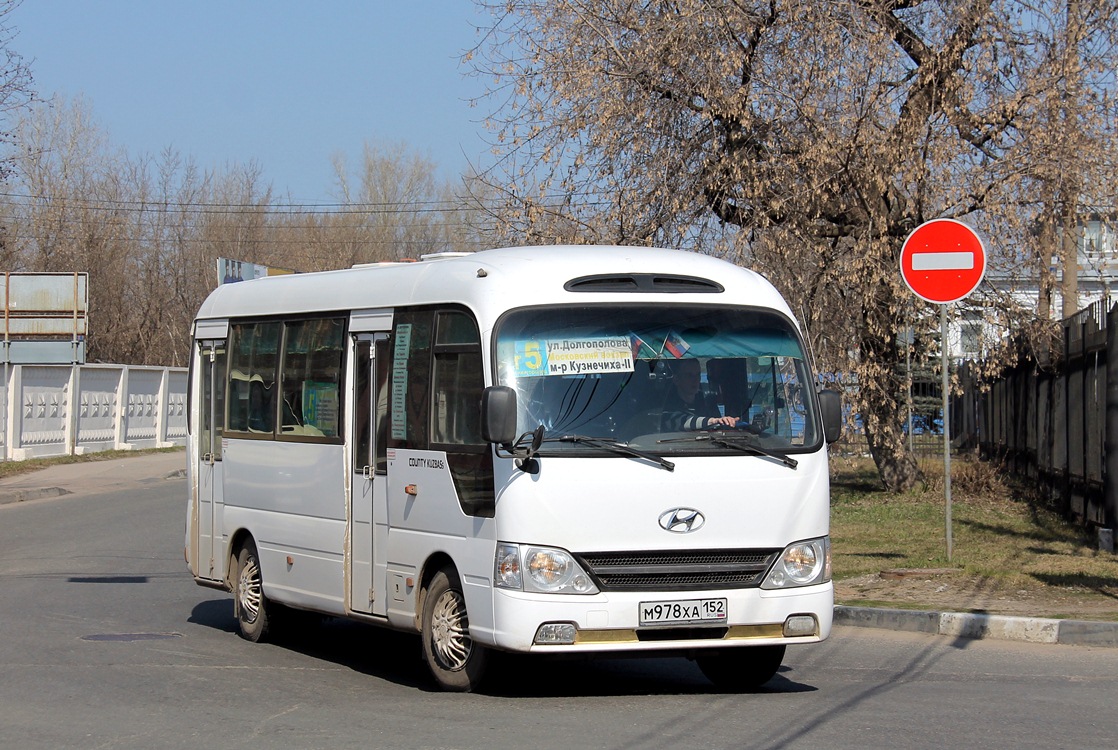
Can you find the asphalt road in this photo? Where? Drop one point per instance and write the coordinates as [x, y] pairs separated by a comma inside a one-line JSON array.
[[106, 642]]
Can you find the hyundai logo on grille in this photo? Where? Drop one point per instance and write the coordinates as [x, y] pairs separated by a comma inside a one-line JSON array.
[[682, 520]]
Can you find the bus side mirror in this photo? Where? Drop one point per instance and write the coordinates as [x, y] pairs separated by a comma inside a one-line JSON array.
[[498, 414], [830, 409]]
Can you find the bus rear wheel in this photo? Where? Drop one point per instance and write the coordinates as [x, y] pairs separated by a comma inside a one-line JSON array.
[[249, 603], [744, 668], [455, 661]]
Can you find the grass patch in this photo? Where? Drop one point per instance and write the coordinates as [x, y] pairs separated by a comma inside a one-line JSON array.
[[15, 468], [1002, 533]]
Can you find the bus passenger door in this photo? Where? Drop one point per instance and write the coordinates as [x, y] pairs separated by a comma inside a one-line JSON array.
[[368, 510], [211, 365]]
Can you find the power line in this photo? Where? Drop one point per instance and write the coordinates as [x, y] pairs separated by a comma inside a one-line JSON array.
[[218, 208], [205, 208], [188, 218], [259, 241]]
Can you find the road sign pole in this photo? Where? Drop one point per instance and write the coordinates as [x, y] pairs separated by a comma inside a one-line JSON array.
[[946, 427]]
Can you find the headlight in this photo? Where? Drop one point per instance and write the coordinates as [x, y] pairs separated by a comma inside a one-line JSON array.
[[801, 564], [545, 570]]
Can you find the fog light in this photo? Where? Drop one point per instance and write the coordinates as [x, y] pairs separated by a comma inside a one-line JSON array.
[[556, 634], [798, 625]]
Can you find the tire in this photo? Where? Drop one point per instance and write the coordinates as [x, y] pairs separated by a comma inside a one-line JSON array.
[[455, 661], [250, 606], [741, 669]]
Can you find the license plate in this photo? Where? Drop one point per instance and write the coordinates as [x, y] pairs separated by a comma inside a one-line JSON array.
[[683, 612]]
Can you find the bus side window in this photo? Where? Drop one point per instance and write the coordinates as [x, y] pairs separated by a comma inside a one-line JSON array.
[[457, 381], [411, 371], [312, 375], [252, 377], [456, 386]]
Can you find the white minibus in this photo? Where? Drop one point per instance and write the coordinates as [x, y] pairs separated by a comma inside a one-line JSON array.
[[572, 450]]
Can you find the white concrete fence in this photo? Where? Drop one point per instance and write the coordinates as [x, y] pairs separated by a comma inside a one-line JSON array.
[[56, 410]]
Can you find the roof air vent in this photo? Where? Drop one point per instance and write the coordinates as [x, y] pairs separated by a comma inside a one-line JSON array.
[[643, 282]]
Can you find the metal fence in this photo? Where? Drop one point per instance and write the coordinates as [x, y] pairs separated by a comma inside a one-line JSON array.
[[57, 410], [1056, 425]]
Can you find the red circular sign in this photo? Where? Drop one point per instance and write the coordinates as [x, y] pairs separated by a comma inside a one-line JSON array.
[[942, 261]]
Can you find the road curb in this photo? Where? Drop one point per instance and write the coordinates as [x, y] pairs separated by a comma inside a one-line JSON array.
[[977, 625], [21, 496]]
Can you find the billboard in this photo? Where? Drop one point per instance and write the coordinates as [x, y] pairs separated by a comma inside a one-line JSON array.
[[231, 271], [46, 317]]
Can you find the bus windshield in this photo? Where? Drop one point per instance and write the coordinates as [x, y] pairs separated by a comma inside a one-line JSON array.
[[672, 379]]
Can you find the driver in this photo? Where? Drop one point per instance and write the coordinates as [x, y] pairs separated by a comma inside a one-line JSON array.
[[687, 406]]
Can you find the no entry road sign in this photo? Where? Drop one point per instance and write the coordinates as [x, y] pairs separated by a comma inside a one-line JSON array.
[[943, 261]]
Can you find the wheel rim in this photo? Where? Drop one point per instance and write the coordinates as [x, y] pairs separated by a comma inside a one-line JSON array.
[[450, 636], [249, 589]]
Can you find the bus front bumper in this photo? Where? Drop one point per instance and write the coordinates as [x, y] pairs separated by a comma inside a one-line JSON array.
[[613, 621]]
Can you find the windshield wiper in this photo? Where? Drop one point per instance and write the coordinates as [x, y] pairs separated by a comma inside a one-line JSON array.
[[614, 446], [748, 445], [743, 442]]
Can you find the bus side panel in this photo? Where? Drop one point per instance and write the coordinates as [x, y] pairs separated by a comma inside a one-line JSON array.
[[431, 522], [291, 499]]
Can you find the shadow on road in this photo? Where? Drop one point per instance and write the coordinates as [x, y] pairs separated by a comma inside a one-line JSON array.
[[214, 613], [396, 657]]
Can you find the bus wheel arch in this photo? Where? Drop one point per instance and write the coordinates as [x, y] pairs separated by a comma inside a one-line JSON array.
[[236, 541], [455, 660], [436, 563]]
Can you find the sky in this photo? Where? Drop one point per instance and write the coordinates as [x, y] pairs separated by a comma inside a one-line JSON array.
[[287, 84]]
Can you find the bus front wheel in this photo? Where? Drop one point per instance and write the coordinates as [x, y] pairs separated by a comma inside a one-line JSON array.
[[743, 668], [249, 604], [455, 661]]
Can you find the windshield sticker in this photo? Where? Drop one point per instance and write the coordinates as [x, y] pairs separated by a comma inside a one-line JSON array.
[[537, 357]]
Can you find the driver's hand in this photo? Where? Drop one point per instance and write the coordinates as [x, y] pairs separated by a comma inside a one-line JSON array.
[[722, 421]]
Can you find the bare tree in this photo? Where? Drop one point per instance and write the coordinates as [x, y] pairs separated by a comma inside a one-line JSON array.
[[70, 213], [804, 138], [394, 207], [149, 230], [15, 82]]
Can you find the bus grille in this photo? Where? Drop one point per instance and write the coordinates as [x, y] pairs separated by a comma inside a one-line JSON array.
[[678, 570]]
